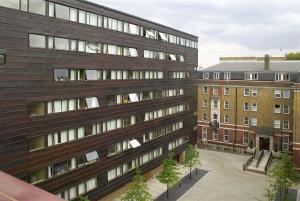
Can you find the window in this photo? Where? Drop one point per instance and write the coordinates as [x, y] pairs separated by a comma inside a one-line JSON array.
[[61, 43], [282, 77], [205, 90], [226, 135], [227, 76], [215, 134], [277, 109], [253, 121], [245, 138], [205, 103], [254, 92], [286, 109], [254, 107], [216, 76], [62, 12], [215, 117], [91, 75], [226, 91], [37, 176], [277, 93], [37, 7], [286, 93], [215, 104], [251, 76], [82, 17], [246, 121], [36, 109], [226, 119], [246, 106], [2, 59], [215, 91], [226, 105], [286, 124], [91, 102], [204, 132], [204, 117], [61, 74], [14, 4], [92, 19], [37, 41], [246, 91], [73, 14], [285, 143], [277, 124], [206, 75], [36, 143]]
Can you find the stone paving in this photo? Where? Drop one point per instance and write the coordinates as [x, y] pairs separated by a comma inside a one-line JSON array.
[[224, 181]]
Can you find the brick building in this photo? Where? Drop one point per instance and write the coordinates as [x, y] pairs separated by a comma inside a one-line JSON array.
[[251, 102], [89, 93]]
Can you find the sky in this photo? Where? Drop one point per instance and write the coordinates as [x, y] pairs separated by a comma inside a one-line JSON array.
[[225, 27]]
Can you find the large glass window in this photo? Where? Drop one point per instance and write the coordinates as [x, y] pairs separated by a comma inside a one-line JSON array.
[[2, 59], [37, 41], [37, 6], [36, 109], [63, 12], [36, 143], [37, 176], [15, 4], [61, 44], [61, 74]]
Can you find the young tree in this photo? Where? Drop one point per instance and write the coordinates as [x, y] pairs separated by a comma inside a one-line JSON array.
[[84, 198], [191, 158], [138, 190], [284, 175], [169, 174]]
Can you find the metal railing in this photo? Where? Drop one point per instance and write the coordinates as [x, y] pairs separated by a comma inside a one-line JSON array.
[[260, 157], [245, 165], [268, 163]]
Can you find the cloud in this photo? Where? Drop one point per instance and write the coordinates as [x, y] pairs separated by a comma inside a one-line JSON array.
[[235, 27]]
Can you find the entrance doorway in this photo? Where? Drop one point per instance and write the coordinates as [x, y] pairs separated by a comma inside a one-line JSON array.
[[264, 143]]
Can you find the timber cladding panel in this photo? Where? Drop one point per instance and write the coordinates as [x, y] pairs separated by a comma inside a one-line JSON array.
[[27, 76]]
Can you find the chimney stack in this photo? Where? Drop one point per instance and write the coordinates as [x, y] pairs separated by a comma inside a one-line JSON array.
[[267, 62]]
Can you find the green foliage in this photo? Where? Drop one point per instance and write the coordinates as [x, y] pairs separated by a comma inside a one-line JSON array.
[[284, 175], [191, 158], [169, 174], [293, 56], [138, 190], [84, 198]]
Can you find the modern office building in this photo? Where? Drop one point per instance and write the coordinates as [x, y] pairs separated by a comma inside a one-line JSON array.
[[251, 102], [89, 93]]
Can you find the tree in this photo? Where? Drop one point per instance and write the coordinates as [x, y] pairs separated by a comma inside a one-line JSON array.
[[191, 158], [293, 56], [84, 198], [284, 175], [169, 174], [138, 190]]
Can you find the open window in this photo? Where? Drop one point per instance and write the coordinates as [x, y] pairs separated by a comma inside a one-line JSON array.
[[91, 102], [133, 52], [134, 143], [37, 176], [36, 143], [163, 36], [133, 97], [61, 74], [91, 156], [172, 57]]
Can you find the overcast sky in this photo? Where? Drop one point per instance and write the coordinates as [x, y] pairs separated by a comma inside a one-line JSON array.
[[225, 27]]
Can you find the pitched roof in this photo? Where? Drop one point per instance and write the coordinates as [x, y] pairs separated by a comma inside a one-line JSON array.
[[255, 66]]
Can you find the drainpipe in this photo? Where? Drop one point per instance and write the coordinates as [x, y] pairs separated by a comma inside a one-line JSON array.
[[235, 119]]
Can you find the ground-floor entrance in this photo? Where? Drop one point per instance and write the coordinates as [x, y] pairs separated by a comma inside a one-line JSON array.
[[264, 143]]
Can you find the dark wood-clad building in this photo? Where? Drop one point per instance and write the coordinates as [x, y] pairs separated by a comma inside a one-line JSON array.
[[88, 93]]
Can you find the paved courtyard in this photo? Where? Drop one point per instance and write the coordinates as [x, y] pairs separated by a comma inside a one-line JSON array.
[[225, 180]]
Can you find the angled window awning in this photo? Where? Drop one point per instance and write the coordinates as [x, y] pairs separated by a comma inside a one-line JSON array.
[[91, 156], [173, 57], [134, 143], [133, 97], [163, 36]]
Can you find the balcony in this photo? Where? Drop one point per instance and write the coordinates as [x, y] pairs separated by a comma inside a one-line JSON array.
[[215, 124]]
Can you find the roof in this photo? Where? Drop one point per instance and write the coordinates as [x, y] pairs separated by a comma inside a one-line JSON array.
[[255, 66], [13, 189], [123, 13]]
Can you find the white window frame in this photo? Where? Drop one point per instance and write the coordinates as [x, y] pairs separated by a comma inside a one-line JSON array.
[[205, 75], [254, 107], [286, 144], [204, 90], [244, 120], [204, 132], [216, 75], [246, 89], [277, 110], [226, 119], [245, 137], [277, 92], [245, 108], [227, 76], [226, 93], [215, 91], [205, 103], [226, 135], [288, 94], [277, 124], [284, 124], [253, 121], [254, 91], [226, 103], [288, 109]]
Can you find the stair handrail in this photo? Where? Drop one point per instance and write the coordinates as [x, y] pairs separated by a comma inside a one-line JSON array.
[[249, 160], [260, 157], [268, 163]]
